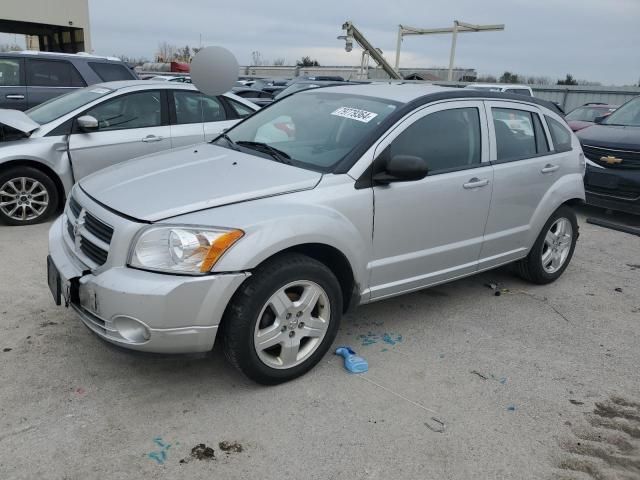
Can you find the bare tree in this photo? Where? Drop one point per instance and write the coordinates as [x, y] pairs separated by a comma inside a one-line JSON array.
[[166, 52], [278, 62], [486, 79], [256, 58]]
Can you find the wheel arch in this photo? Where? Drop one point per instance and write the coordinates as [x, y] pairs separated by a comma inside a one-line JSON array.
[[44, 169]]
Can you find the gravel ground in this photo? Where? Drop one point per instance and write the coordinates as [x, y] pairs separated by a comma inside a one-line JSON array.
[[539, 382]]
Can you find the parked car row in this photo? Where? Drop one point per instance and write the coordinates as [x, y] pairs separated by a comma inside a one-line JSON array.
[[46, 149]]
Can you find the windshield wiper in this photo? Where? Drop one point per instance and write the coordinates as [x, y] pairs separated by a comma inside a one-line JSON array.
[[231, 143], [278, 155]]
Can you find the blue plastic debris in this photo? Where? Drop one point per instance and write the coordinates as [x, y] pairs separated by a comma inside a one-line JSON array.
[[352, 362], [511, 408]]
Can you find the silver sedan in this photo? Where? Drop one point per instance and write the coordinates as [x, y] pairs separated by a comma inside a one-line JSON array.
[[45, 150]]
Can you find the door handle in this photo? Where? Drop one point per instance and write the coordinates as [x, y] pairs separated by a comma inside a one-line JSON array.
[[14, 96], [548, 168], [476, 182], [152, 138]]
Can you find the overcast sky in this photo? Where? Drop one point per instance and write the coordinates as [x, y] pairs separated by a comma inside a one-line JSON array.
[[595, 40]]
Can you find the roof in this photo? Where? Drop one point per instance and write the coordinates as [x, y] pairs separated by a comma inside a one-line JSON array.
[[396, 91], [498, 85], [36, 53]]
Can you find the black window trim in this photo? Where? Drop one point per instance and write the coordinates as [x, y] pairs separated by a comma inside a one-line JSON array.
[[523, 157], [555, 151], [59, 60], [164, 114]]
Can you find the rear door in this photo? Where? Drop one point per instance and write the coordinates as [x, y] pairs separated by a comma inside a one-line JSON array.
[[187, 126], [48, 78], [218, 115], [525, 168], [13, 92], [431, 230], [130, 125]]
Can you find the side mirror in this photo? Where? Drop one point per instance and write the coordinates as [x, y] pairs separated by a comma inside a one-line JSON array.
[[87, 123], [600, 118], [402, 168]]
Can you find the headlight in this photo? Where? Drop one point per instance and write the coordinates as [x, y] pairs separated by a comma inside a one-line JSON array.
[[190, 250]]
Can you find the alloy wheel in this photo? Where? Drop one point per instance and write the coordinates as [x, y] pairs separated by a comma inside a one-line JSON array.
[[557, 245], [23, 198], [292, 324]]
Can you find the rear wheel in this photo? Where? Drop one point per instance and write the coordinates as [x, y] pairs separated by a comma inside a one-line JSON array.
[[283, 319], [27, 196], [553, 249]]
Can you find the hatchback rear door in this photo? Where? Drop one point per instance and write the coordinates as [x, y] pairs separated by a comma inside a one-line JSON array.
[[431, 230], [525, 168]]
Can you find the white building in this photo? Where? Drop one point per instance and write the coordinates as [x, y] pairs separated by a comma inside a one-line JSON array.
[[50, 25]]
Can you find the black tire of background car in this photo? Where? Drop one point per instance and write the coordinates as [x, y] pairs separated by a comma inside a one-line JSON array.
[[530, 268], [241, 315], [44, 179]]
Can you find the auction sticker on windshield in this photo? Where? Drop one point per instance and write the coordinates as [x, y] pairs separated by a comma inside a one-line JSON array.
[[355, 114]]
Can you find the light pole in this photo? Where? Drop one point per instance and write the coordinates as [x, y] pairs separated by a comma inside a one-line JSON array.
[[458, 27]]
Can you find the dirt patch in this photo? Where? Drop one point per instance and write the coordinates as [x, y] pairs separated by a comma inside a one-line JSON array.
[[201, 452], [607, 446], [230, 447]]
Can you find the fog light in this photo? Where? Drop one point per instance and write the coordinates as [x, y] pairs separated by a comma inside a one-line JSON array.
[[131, 329]]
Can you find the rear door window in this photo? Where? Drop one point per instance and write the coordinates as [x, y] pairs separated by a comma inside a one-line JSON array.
[[110, 72], [52, 73], [447, 140], [10, 72], [560, 135], [519, 134]]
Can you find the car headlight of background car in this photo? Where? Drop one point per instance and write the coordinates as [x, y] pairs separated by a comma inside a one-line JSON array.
[[181, 249]]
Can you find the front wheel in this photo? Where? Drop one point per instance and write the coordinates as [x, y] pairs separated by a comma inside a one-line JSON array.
[[27, 196], [283, 319], [553, 249]]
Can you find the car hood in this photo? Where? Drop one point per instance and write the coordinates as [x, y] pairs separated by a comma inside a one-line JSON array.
[[185, 180], [578, 124], [17, 120], [611, 136]]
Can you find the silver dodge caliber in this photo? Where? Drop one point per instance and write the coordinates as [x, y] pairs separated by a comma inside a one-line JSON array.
[[327, 199]]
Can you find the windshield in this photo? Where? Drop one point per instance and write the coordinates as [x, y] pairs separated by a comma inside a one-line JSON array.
[[315, 129], [296, 87], [57, 107], [627, 115], [588, 114]]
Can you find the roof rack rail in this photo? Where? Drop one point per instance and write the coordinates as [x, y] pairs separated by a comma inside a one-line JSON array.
[[63, 54]]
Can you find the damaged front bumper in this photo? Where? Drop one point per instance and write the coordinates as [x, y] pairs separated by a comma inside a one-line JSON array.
[[136, 309]]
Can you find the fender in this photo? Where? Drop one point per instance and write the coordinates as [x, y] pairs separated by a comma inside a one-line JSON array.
[[48, 151], [568, 187]]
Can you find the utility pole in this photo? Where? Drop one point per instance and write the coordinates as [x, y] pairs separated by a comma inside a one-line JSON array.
[[458, 27]]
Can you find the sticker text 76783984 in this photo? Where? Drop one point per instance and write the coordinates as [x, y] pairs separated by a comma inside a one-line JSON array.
[[354, 114]]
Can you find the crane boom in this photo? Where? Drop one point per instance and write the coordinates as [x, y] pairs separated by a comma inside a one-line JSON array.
[[355, 34]]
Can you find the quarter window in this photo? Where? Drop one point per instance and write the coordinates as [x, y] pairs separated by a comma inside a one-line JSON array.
[[519, 134], [9, 72], [240, 109], [52, 73], [560, 135], [136, 110], [109, 72], [447, 140]]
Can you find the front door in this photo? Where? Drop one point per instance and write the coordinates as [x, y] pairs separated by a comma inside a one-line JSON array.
[[129, 126], [431, 230]]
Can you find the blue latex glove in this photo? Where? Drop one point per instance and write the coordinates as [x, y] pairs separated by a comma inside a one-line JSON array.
[[352, 362]]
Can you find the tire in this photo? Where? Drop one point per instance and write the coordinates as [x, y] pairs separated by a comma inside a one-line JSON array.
[[536, 270], [265, 310], [16, 186]]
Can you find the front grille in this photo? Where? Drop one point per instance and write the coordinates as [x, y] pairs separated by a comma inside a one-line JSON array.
[[75, 207], [70, 229], [92, 251], [98, 228], [630, 158]]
